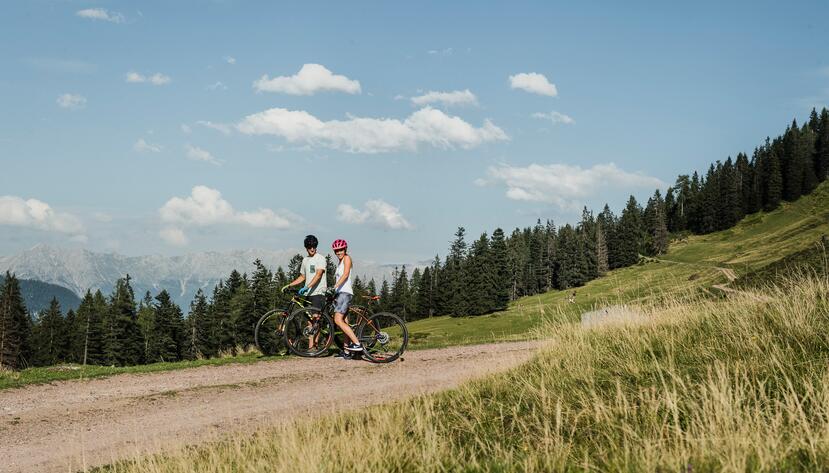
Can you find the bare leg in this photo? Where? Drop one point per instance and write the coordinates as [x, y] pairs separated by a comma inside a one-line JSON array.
[[339, 319]]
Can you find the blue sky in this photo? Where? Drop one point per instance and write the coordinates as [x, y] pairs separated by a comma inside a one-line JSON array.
[[171, 127]]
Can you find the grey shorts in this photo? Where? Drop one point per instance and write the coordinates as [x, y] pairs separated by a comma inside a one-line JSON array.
[[342, 303]]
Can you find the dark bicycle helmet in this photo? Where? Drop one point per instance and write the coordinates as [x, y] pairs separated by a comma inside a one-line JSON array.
[[311, 241]]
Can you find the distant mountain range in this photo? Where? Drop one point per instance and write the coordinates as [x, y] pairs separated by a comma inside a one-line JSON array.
[[79, 269], [38, 295]]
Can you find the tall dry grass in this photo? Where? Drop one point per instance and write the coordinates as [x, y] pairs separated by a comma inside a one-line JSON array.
[[735, 385]]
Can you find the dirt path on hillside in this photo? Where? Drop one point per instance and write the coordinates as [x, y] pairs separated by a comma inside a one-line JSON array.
[[729, 274], [72, 425]]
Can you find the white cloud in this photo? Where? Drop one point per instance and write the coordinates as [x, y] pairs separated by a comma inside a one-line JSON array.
[[564, 185], [142, 146], [220, 127], [555, 117], [218, 85], [312, 78], [230, 59], [101, 14], [205, 206], [33, 213], [441, 52], [155, 79], [198, 154], [372, 135], [71, 101], [173, 236], [533, 83], [377, 212], [454, 98], [185, 128]]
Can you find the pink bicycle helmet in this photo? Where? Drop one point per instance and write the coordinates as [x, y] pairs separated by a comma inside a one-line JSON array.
[[339, 245]]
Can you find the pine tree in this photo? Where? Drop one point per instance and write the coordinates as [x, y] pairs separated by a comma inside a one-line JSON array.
[[657, 229], [294, 267], [123, 343], [221, 334], [822, 147], [425, 303], [792, 164], [415, 311], [774, 183], [330, 271], [48, 336], [477, 268], [587, 241], [69, 331], [15, 325], [146, 312], [455, 284], [198, 331], [87, 335], [400, 293], [241, 306], [262, 297], [500, 280], [602, 263], [167, 330], [630, 233]]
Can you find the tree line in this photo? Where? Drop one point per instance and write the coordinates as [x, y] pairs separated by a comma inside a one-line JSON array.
[[474, 278]]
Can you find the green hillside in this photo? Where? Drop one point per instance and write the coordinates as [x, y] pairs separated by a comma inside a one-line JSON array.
[[38, 295], [693, 265], [697, 382]]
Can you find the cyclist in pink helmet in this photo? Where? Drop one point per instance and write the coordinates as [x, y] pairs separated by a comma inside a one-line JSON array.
[[345, 292]]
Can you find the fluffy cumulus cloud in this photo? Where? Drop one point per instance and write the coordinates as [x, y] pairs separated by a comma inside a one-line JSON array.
[[376, 212], [205, 206], [198, 154], [100, 14], [312, 78], [533, 83], [155, 79], [33, 213], [372, 135], [555, 117], [564, 185], [173, 236], [141, 146], [71, 101], [454, 98]]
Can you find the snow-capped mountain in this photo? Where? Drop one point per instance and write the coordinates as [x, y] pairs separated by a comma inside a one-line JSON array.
[[79, 269]]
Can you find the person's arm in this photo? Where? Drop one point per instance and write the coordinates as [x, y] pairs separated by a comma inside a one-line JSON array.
[[346, 272], [297, 280], [316, 278]]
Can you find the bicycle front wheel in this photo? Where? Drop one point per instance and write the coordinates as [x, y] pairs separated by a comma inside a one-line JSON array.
[[269, 334], [384, 337], [308, 332]]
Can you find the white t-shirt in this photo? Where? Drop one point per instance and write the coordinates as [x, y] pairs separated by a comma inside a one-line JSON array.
[[310, 265]]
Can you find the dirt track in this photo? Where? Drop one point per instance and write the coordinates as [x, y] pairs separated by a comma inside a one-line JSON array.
[[71, 425]]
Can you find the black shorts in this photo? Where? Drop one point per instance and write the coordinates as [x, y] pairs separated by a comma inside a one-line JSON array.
[[317, 302]]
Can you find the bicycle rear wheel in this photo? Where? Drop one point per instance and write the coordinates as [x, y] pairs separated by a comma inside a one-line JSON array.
[[384, 337], [269, 334], [309, 332]]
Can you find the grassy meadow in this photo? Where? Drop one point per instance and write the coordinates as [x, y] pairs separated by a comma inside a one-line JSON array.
[[698, 382], [694, 384]]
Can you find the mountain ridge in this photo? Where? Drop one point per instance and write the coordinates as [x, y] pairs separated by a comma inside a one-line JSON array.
[[79, 269]]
